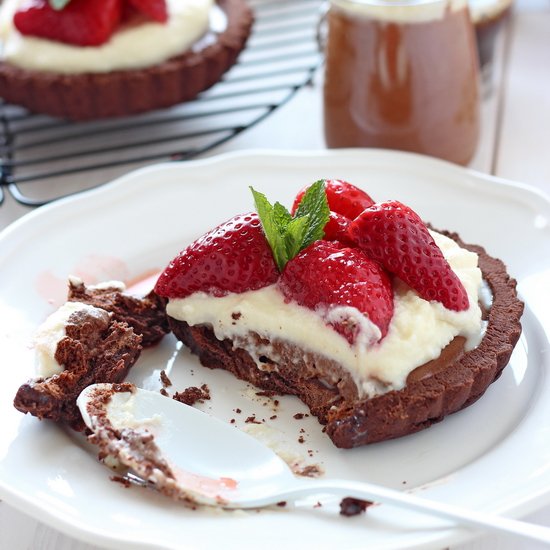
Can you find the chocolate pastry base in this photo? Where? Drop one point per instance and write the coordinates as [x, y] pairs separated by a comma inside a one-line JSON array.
[[350, 421], [94, 350], [146, 315], [87, 96]]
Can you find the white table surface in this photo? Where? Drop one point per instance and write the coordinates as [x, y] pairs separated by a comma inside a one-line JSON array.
[[514, 145]]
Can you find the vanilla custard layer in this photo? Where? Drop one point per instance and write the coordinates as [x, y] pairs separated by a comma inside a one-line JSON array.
[[419, 329], [130, 47]]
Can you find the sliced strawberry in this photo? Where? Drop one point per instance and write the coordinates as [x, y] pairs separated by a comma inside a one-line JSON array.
[[336, 229], [154, 9], [343, 198], [392, 234], [326, 275], [80, 22], [233, 257]]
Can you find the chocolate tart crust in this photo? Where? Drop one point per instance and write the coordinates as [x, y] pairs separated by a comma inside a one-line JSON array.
[[351, 421], [88, 96]]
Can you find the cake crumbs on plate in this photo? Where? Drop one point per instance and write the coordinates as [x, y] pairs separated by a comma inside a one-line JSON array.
[[353, 506], [193, 395], [124, 481], [310, 470], [166, 382], [252, 420], [164, 392]]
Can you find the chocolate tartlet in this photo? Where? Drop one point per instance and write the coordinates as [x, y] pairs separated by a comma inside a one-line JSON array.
[[87, 96], [433, 391]]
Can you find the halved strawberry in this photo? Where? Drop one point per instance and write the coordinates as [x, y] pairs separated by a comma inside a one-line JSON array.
[[394, 235], [154, 9], [80, 22], [336, 229], [233, 257], [326, 275], [343, 198]]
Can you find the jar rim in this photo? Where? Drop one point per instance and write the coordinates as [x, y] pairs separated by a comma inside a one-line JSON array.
[[386, 3]]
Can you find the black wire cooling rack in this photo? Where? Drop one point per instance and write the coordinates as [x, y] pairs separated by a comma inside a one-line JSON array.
[[43, 158]]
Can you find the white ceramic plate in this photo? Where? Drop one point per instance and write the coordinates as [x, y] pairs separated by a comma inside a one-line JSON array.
[[493, 456]]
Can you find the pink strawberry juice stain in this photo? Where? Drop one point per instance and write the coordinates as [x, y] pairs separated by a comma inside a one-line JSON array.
[[207, 486]]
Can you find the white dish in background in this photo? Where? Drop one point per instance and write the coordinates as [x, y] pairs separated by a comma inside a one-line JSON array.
[[493, 456]]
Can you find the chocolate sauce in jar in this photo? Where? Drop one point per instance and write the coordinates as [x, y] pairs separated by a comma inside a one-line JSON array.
[[402, 75]]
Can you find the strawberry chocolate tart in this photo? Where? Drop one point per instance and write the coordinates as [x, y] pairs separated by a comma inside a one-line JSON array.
[[380, 324], [89, 59]]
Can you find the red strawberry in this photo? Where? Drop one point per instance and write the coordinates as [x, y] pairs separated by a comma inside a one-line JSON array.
[[392, 234], [233, 257], [327, 274], [80, 22], [336, 229], [343, 198], [154, 9]]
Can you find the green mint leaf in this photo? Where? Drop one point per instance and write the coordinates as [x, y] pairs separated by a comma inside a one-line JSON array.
[[314, 204], [294, 236], [282, 217], [58, 4], [269, 215], [288, 235]]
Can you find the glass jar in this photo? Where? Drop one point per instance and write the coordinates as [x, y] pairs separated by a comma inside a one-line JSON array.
[[402, 74]]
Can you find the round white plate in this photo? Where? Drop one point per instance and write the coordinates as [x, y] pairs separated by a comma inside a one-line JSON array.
[[493, 456]]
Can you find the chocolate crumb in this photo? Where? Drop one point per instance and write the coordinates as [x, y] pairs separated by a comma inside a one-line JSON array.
[[302, 431], [276, 402], [122, 480], [236, 315], [273, 417], [192, 395], [232, 421], [164, 392], [164, 379], [318, 505], [353, 506], [311, 470], [238, 411], [301, 439], [298, 416], [252, 420], [282, 503]]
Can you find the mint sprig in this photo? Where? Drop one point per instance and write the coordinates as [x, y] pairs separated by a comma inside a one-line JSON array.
[[58, 4], [287, 235]]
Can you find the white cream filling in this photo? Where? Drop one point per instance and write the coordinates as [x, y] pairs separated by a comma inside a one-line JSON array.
[[482, 10], [131, 47], [52, 331], [400, 11], [419, 329], [104, 285]]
